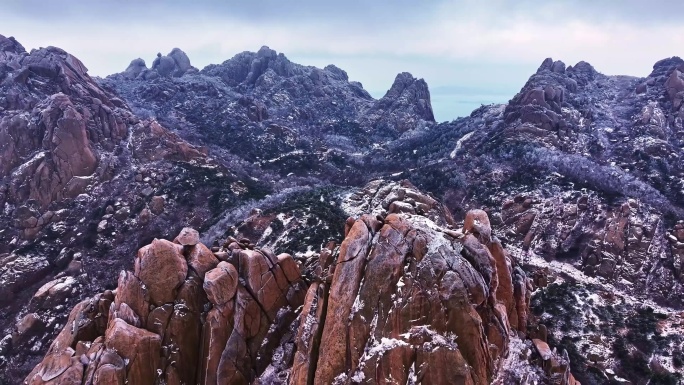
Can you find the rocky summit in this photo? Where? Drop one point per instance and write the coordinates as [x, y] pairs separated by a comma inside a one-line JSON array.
[[259, 221]]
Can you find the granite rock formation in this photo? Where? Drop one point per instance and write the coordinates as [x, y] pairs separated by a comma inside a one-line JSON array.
[[83, 180], [175, 64], [183, 316], [579, 175], [404, 298]]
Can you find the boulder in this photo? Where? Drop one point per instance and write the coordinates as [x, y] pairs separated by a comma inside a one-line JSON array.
[[134, 69], [221, 283], [157, 205], [139, 347], [181, 61], [674, 84], [201, 259], [162, 268], [164, 65], [187, 237], [55, 292]]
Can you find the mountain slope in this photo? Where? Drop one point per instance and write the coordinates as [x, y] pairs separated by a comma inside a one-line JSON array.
[[580, 175], [83, 183]]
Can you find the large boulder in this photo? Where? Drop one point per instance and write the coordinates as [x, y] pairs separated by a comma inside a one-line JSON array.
[[134, 69], [139, 347], [162, 268], [181, 61], [221, 283]]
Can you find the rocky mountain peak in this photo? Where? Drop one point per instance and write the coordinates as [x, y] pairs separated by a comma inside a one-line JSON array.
[[266, 52], [246, 67], [550, 65], [583, 73], [666, 65], [403, 107], [175, 64], [337, 72], [10, 44], [412, 89]]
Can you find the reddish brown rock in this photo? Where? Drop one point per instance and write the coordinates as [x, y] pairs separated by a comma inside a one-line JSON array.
[[188, 237], [140, 347], [124, 312], [347, 277], [309, 335], [217, 329], [504, 289], [401, 207], [87, 320], [289, 267], [157, 205], [183, 332], [162, 268], [132, 292], [221, 283], [28, 325], [387, 322], [477, 221], [107, 367], [201, 259], [556, 366], [158, 319]]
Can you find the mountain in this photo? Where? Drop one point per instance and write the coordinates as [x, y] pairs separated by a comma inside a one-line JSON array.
[[85, 183], [402, 298], [579, 177]]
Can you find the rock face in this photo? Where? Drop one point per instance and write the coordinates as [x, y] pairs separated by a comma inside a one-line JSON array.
[[409, 298], [407, 102], [176, 326], [405, 297]]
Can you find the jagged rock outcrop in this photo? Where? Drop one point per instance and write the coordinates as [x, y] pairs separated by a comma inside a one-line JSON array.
[[403, 107], [626, 244], [300, 119], [408, 299], [175, 64], [404, 298], [248, 67], [173, 322]]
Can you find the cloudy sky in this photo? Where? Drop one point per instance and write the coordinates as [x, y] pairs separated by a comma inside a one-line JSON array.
[[470, 52]]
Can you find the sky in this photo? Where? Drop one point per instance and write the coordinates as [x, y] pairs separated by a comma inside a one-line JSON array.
[[469, 52]]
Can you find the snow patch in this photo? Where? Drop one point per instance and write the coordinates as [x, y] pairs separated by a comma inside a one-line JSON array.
[[459, 144]]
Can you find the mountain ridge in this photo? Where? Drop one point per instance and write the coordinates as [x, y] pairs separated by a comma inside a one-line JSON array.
[[578, 169]]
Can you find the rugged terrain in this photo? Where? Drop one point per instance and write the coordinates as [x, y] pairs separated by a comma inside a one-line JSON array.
[[403, 299], [580, 175]]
